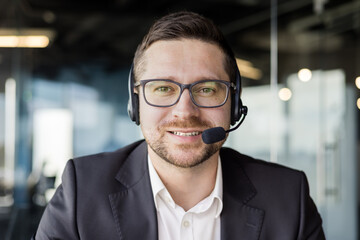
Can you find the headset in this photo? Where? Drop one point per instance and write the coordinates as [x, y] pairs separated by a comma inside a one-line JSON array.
[[133, 103], [238, 111]]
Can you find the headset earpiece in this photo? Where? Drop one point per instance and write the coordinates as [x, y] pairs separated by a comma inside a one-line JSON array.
[[237, 109], [133, 103]]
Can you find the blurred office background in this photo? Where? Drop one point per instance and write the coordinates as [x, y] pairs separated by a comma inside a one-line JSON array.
[[63, 93]]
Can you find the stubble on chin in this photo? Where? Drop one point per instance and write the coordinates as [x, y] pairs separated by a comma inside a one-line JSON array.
[[182, 155], [178, 156]]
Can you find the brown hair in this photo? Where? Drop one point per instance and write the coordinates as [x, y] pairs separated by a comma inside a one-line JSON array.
[[187, 25]]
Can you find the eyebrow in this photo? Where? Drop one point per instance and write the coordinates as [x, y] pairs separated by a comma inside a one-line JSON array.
[[172, 78]]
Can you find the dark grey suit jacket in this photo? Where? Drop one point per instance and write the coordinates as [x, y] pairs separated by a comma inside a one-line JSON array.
[[108, 196]]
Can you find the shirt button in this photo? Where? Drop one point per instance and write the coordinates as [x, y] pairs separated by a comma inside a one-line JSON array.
[[186, 224]]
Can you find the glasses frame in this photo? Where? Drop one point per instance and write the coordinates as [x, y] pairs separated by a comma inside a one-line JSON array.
[[142, 83]]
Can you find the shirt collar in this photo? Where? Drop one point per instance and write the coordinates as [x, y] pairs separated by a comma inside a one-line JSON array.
[[156, 184], [217, 193], [159, 189]]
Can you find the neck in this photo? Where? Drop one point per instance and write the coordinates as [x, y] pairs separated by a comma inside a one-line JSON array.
[[187, 186]]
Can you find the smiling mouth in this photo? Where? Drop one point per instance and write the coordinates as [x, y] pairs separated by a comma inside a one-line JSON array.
[[187, 134]]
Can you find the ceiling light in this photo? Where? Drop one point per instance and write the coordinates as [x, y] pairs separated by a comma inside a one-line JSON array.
[[357, 82], [304, 74], [285, 94], [25, 38], [358, 103], [24, 41]]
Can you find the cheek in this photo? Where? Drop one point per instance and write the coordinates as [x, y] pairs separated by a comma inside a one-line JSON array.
[[224, 117], [149, 116], [144, 113], [226, 114], [217, 116]]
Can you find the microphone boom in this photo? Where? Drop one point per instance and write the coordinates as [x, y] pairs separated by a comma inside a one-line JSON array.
[[217, 134]]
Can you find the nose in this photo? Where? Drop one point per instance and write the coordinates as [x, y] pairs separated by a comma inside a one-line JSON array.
[[185, 107]]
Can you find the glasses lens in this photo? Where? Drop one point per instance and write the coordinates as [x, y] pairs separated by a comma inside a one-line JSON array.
[[210, 93], [161, 93]]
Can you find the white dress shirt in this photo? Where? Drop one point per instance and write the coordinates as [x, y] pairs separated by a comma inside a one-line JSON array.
[[202, 222]]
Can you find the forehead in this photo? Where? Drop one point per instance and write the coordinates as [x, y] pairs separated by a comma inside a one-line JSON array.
[[182, 57]]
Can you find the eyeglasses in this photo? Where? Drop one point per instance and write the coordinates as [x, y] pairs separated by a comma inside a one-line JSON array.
[[204, 93]]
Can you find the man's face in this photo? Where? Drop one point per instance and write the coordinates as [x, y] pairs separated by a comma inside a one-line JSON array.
[[174, 133]]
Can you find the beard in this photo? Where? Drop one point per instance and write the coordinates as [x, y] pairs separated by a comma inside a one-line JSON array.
[[182, 155]]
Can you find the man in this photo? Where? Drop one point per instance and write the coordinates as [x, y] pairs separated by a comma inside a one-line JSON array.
[[173, 185]]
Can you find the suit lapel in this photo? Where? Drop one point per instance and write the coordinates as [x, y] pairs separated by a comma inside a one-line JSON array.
[[133, 208], [238, 219]]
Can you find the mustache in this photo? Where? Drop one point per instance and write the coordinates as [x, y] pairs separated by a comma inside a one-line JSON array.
[[191, 122]]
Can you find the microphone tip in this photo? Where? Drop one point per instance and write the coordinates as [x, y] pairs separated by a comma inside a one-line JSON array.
[[213, 135]]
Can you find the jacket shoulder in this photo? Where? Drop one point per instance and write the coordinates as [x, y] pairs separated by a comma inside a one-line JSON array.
[[282, 192], [104, 158], [262, 174], [99, 170]]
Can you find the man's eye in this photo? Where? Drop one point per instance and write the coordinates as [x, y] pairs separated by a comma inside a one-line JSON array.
[[163, 89], [207, 90]]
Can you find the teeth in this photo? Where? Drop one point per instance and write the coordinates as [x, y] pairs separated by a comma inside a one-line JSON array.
[[187, 134]]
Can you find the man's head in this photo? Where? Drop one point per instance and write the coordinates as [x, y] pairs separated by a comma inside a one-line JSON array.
[[183, 72], [185, 25]]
